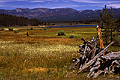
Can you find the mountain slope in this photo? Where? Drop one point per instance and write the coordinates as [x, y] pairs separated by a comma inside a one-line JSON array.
[[58, 14]]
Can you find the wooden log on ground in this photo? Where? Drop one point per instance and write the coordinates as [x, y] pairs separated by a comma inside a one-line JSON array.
[[112, 55], [91, 62], [98, 73]]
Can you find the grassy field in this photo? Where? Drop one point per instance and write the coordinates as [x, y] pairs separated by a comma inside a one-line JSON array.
[[43, 55]]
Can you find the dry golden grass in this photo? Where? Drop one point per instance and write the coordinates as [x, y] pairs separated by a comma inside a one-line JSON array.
[[42, 55]]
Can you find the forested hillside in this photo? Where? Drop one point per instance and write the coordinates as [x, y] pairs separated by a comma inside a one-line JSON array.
[[10, 20]]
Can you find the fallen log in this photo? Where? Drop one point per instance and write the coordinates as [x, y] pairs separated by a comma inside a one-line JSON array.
[[75, 61], [97, 58], [112, 55], [114, 63], [92, 61], [98, 73]]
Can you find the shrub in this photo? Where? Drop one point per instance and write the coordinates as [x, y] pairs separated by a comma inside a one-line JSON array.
[[16, 31], [72, 36], [61, 33], [116, 40], [2, 29], [31, 28], [27, 34], [10, 29], [45, 28], [0, 34]]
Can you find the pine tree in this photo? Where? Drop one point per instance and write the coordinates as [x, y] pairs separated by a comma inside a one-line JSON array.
[[107, 22]]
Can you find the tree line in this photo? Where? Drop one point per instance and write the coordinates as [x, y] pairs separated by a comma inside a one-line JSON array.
[[12, 20]]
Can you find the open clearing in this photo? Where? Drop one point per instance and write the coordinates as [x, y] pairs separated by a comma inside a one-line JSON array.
[[43, 55]]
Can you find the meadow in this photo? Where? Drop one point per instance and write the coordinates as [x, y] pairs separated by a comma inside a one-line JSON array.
[[43, 55]]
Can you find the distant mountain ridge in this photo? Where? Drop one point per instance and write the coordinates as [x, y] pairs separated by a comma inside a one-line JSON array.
[[58, 14]]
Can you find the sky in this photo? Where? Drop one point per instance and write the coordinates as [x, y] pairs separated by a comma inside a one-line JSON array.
[[75, 4]]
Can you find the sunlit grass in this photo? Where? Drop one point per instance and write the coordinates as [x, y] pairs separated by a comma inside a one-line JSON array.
[[16, 58], [35, 48], [43, 55]]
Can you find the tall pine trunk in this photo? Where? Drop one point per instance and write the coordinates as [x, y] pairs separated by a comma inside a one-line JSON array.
[[111, 35]]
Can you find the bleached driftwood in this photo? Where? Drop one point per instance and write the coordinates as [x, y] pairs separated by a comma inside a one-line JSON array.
[[98, 73], [112, 55], [95, 67], [115, 63], [74, 64], [95, 58]]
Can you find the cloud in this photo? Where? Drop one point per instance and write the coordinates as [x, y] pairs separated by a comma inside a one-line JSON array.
[[42, 0], [36, 1], [75, 4], [2, 1], [94, 1], [114, 5], [87, 1], [12, 0], [100, 3], [65, 6]]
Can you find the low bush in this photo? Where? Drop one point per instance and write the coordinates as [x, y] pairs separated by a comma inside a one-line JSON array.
[[0, 34], [2, 29], [27, 34], [16, 31], [72, 36], [61, 33], [45, 28], [116, 40], [10, 29], [31, 28]]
